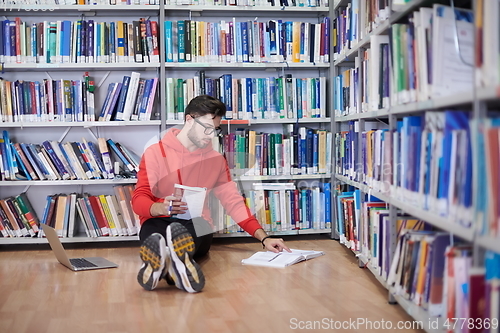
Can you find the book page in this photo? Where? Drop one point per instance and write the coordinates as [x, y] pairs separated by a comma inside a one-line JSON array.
[[272, 259], [281, 259], [194, 197]]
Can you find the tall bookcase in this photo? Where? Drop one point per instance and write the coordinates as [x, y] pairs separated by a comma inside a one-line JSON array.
[[145, 132], [384, 99]]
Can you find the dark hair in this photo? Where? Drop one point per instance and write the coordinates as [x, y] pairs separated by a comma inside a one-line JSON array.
[[205, 104]]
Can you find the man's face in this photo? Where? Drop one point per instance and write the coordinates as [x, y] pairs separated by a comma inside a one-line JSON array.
[[199, 129]]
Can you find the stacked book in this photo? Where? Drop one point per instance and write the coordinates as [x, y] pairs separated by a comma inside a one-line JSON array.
[[248, 41], [94, 215], [302, 152], [52, 160], [251, 98], [82, 41]]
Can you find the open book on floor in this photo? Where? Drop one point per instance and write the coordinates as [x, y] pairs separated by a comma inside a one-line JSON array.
[[281, 259]]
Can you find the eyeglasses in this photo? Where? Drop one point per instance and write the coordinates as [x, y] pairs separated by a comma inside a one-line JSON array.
[[209, 129]]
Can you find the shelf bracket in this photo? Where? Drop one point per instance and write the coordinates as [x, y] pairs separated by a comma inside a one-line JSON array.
[[64, 134], [92, 133], [103, 79]]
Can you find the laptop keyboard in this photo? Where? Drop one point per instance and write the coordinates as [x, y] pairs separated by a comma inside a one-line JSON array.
[[81, 263]]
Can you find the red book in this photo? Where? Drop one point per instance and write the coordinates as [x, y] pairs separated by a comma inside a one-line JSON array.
[[99, 214]]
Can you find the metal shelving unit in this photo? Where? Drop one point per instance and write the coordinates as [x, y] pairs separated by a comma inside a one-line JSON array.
[[475, 99], [161, 11]]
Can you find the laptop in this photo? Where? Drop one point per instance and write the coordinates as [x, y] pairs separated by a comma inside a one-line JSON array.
[[75, 264]]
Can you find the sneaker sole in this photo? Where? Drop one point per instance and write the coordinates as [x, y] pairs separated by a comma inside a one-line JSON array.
[[181, 245], [153, 253]]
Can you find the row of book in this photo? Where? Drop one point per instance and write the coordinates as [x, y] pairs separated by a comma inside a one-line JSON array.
[[251, 3], [374, 85], [283, 207], [35, 4], [47, 100], [131, 99], [355, 21], [71, 215], [17, 217], [426, 161], [52, 160], [74, 101], [429, 268], [247, 41], [425, 62], [305, 151], [81, 41], [95, 215], [251, 98], [433, 272]]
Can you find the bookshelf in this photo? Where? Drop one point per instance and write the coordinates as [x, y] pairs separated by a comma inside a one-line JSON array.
[[145, 132], [365, 133]]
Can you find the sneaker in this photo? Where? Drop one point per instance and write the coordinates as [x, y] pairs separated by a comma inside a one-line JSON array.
[[173, 279], [185, 272], [153, 253]]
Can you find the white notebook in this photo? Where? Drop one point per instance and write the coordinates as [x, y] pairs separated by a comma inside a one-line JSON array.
[[281, 259], [195, 199]]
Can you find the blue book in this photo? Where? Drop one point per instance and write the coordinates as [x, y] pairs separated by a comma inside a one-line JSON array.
[[238, 42], [326, 187], [25, 174], [107, 100], [90, 42], [315, 158], [92, 216], [181, 50], [6, 30], [2, 41], [98, 50], [118, 153], [46, 210], [169, 57], [340, 212], [273, 40], [112, 42], [245, 42], [145, 99], [55, 159], [97, 158]]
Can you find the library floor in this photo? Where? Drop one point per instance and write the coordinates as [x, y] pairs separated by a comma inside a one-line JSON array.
[[37, 294]]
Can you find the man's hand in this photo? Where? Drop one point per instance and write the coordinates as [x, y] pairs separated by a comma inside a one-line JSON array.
[[171, 206], [275, 245]]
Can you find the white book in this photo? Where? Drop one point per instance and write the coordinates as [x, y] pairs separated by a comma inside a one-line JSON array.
[[452, 67], [280, 259], [425, 24], [131, 97], [273, 186], [375, 70], [489, 73], [72, 214]]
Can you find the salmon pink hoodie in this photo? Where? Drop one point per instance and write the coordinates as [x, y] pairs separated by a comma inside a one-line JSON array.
[[161, 168]]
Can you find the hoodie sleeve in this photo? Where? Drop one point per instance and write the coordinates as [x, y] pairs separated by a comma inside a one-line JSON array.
[[232, 201], [143, 198]]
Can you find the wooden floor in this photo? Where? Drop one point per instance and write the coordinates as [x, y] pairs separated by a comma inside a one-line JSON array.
[[37, 294]]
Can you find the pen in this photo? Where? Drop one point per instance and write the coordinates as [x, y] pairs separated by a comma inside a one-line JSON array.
[[170, 208]]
